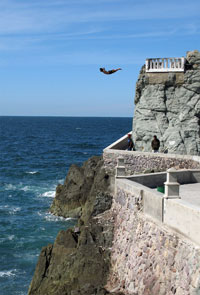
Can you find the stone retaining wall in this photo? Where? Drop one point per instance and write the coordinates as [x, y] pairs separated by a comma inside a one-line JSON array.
[[147, 257], [144, 162], [183, 217]]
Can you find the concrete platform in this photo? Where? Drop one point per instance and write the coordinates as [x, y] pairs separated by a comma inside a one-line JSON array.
[[190, 193]]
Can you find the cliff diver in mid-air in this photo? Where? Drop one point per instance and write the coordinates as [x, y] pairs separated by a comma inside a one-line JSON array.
[[103, 70]]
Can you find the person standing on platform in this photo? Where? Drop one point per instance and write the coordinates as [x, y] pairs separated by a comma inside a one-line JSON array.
[[155, 144], [130, 143]]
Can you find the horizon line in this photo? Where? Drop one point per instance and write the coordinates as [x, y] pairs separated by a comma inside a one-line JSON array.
[[62, 116]]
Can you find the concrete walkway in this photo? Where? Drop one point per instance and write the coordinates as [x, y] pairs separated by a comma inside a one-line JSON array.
[[190, 193]]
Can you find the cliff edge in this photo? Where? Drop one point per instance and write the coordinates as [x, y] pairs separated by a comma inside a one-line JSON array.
[[86, 191], [145, 257], [168, 105], [78, 261]]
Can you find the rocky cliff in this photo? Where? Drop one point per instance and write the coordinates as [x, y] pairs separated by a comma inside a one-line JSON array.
[[168, 105], [78, 261], [86, 191]]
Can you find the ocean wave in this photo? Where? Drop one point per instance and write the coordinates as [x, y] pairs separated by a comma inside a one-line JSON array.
[[32, 172], [10, 187], [50, 217], [10, 209], [7, 273], [10, 238], [14, 210], [61, 181], [25, 188], [49, 194], [20, 186], [3, 207], [29, 256]]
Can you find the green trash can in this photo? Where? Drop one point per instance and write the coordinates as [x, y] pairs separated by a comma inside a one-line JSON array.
[[161, 189]]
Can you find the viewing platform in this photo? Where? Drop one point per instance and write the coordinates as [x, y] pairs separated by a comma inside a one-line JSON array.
[[168, 64]]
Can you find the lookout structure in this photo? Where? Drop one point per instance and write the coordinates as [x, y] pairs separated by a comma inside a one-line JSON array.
[[169, 64]]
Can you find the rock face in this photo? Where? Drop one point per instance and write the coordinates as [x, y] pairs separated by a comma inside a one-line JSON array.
[[74, 264], [168, 105], [83, 188], [78, 261]]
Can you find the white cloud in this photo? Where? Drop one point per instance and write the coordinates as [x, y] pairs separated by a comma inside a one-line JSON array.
[[52, 15], [43, 26]]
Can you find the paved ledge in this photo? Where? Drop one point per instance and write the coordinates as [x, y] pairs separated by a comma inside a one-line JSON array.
[[181, 214], [153, 155], [190, 193]]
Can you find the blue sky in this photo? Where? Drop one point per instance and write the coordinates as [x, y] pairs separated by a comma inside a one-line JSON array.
[[51, 51]]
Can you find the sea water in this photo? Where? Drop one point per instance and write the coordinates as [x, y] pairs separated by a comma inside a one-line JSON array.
[[35, 154]]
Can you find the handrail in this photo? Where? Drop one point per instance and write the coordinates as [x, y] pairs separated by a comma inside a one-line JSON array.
[[168, 64]]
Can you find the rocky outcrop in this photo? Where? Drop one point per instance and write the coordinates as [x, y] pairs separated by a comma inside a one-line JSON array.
[[78, 261], [168, 105], [75, 264], [86, 191]]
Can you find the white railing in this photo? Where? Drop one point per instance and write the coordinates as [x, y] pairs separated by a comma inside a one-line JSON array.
[[169, 64]]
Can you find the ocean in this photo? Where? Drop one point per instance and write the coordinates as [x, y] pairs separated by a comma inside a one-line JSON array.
[[35, 155]]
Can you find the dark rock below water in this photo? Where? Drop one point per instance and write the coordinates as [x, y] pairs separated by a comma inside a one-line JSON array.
[[78, 261]]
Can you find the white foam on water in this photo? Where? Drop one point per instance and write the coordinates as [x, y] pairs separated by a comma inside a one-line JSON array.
[[10, 187], [10, 209], [11, 237], [49, 194], [32, 172], [61, 181], [14, 210], [3, 207], [78, 128], [29, 256], [25, 188], [51, 217], [7, 273], [20, 186]]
